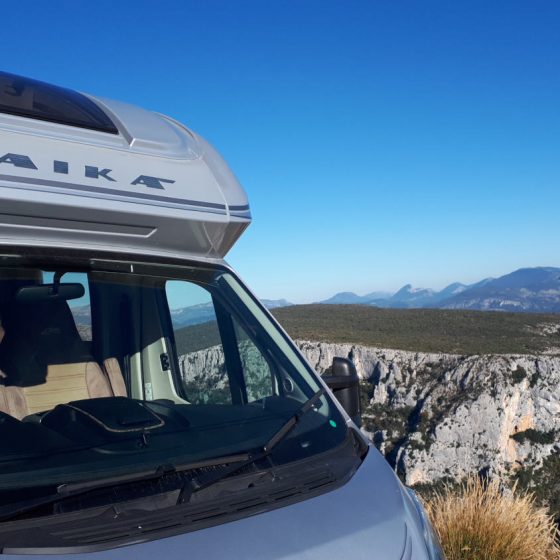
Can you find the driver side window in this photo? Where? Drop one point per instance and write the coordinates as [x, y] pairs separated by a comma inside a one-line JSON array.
[[218, 361], [200, 353]]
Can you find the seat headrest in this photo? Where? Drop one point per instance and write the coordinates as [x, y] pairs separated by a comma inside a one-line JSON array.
[[38, 335]]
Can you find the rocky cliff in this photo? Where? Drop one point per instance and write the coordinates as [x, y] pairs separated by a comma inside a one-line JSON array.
[[442, 416]]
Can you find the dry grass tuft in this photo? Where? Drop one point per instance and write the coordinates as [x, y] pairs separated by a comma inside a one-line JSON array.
[[480, 522]]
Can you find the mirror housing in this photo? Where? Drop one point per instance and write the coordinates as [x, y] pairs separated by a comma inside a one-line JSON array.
[[49, 292], [343, 381]]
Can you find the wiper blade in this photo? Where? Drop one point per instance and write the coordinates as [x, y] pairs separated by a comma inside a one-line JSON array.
[[288, 426], [73, 489], [236, 463], [198, 484]]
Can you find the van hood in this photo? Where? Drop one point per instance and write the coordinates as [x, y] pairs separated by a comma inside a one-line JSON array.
[[367, 518]]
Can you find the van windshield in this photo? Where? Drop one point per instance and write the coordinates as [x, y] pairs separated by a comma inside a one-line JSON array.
[[110, 369]]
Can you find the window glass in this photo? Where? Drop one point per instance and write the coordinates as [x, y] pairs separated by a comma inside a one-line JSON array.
[[200, 339], [256, 370], [224, 381], [30, 98], [200, 353]]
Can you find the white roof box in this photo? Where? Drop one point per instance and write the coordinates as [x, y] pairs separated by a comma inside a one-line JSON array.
[[77, 171]]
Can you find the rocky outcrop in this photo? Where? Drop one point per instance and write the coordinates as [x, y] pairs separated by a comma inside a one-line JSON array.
[[442, 416], [205, 377]]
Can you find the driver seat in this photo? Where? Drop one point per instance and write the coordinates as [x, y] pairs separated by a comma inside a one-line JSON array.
[[65, 383], [44, 360]]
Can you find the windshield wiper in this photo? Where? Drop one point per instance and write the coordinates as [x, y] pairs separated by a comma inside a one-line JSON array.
[[187, 488], [73, 489], [197, 484]]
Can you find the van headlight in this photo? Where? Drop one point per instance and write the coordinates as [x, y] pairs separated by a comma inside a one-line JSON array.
[[435, 551]]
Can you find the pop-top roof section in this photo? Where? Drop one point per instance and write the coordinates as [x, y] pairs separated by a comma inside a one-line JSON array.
[[33, 99], [156, 186]]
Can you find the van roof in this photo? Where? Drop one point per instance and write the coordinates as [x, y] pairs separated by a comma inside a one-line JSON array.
[[77, 170]]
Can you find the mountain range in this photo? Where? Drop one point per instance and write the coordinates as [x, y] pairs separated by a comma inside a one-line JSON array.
[[527, 289]]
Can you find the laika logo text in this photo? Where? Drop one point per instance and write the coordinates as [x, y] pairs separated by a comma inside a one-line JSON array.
[[90, 171]]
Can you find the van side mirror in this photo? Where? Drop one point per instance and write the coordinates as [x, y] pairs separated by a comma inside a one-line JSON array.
[[343, 381]]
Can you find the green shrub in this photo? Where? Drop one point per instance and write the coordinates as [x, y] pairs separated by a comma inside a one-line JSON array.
[[518, 374], [535, 436]]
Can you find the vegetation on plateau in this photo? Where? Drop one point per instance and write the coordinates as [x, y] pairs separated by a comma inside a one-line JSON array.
[[423, 330]]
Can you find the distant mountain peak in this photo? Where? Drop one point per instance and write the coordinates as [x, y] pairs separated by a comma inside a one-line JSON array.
[[405, 290], [408, 296], [452, 289], [534, 289], [525, 289], [274, 303], [352, 298]]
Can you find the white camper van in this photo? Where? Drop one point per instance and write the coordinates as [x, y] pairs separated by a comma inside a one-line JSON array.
[[150, 407]]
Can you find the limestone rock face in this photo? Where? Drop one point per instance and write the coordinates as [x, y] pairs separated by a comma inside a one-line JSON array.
[[438, 416], [205, 376]]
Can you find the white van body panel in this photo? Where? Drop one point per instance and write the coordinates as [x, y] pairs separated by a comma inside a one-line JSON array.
[[156, 186]]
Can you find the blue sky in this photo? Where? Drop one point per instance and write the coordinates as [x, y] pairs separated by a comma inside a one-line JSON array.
[[380, 142]]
